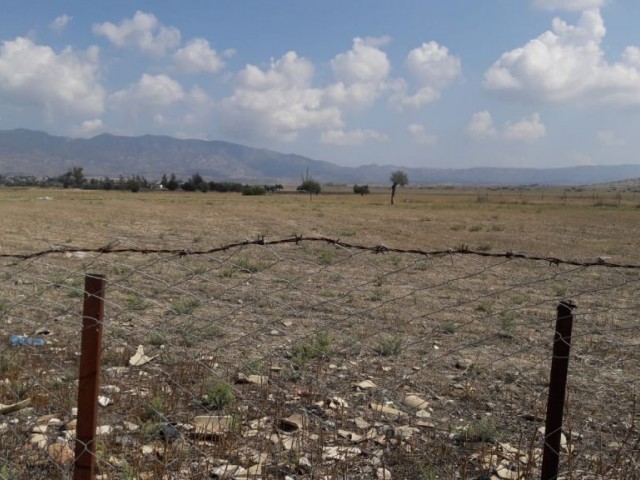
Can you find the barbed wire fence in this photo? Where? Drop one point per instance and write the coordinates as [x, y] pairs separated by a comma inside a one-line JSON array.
[[308, 358]]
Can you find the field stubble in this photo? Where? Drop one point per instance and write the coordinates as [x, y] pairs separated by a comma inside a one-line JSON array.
[[275, 341]]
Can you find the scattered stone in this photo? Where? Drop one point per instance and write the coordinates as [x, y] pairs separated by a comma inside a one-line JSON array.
[[38, 439], [212, 425], [383, 474], [61, 454], [354, 437], [423, 414], [139, 358], [39, 429], [104, 401], [414, 401], [361, 423], [340, 453], [365, 385], [169, 433], [294, 422], [305, 464], [14, 407], [463, 363], [384, 409], [337, 403], [252, 379]]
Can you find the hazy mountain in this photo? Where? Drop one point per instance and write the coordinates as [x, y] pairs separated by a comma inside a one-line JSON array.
[[27, 152]]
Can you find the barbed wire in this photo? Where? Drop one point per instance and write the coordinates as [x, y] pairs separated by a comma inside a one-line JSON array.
[[183, 252]]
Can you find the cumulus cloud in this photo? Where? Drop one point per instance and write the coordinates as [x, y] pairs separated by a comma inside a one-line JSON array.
[[481, 125], [570, 5], [433, 68], [567, 64], [526, 130], [89, 127], [420, 134], [361, 73], [64, 83], [198, 56], [278, 102], [608, 139], [149, 93], [59, 23], [530, 129], [352, 138], [142, 31]]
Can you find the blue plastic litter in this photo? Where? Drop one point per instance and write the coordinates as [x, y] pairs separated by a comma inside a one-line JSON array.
[[16, 340]]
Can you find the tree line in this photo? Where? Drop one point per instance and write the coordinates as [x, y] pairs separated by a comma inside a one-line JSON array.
[[75, 178]]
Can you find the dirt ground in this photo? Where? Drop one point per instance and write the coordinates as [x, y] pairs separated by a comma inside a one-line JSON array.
[[313, 360]]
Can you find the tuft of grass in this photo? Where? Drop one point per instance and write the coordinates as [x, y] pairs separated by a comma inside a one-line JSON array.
[[245, 264], [156, 409], [136, 302], [327, 257], [475, 228], [482, 430], [184, 306], [315, 347], [389, 347], [218, 395]]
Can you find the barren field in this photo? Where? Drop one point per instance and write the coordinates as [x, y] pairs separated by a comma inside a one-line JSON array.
[[315, 359]]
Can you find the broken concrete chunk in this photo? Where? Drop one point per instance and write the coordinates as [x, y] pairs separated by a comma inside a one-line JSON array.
[[414, 401], [365, 385], [252, 379], [387, 410], [294, 422], [212, 425], [139, 358]]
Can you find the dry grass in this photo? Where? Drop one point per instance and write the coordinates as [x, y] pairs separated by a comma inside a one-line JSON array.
[[469, 335]]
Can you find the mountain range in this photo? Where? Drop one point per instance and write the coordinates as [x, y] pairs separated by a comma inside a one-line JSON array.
[[28, 152]]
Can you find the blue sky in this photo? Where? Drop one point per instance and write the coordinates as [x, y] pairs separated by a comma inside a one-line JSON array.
[[453, 84]]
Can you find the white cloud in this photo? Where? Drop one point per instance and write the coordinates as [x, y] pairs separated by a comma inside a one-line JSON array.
[[526, 130], [278, 102], [568, 64], [481, 125], [58, 84], [434, 68], [143, 31], [352, 138], [151, 92], [59, 23], [420, 134], [198, 56], [89, 127], [609, 139], [361, 73], [364, 63], [571, 5]]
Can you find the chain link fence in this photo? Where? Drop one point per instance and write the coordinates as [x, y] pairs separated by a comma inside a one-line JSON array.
[[315, 359]]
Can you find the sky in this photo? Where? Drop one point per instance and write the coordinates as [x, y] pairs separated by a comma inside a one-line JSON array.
[[415, 83]]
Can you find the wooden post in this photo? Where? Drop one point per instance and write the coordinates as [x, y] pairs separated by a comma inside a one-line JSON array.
[[557, 388], [88, 387]]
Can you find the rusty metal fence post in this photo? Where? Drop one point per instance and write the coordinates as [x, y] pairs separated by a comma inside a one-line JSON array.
[[557, 389], [92, 323]]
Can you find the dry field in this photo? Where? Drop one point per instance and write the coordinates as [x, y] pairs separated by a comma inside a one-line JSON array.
[[313, 360]]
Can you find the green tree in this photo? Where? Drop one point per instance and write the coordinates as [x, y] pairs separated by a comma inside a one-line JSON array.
[[309, 185], [173, 183], [398, 177], [361, 190]]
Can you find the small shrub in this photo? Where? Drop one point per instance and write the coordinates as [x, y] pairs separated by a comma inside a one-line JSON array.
[[184, 306], [156, 409], [218, 395], [253, 190], [457, 228], [327, 257], [482, 430], [475, 228], [246, 265], [389, 347], [315, 347], [484, 247], [135, 302]]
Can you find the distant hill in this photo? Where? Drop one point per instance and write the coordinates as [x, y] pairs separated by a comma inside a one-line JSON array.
[[28, 152]]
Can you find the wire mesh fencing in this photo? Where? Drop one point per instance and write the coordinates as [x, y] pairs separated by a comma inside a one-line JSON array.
[[313, 359]]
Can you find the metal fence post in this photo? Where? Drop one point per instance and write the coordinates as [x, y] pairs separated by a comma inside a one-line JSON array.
[[92, 322], [557, 388]]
